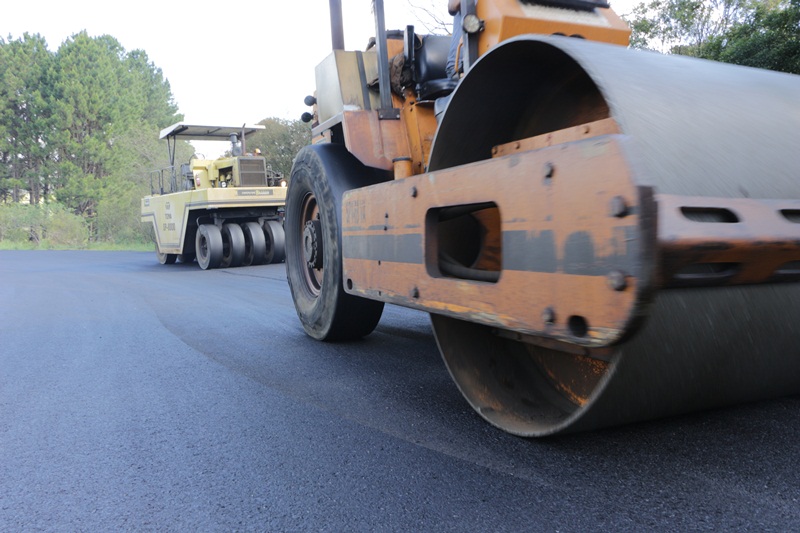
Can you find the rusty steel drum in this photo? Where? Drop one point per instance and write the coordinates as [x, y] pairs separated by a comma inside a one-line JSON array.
[[696, 129]]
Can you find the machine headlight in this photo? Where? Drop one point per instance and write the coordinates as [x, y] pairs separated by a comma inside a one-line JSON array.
[[472, 24]]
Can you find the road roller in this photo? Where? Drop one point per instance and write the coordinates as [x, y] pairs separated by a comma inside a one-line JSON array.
[[600, 235], [225, 212]]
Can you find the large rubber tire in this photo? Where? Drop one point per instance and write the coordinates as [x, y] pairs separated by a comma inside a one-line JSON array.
[[165, 259], [233, 248], [208, 246], [276, 241], [320, 175], [255, 245]]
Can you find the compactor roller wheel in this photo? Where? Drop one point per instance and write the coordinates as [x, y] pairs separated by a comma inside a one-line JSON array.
[[208, 246], [165, 259], [255, 245], [233, 246], [320, 175], [691, 128], [275, 241]]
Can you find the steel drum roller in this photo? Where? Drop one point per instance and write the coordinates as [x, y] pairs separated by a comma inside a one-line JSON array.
[[697, 129]]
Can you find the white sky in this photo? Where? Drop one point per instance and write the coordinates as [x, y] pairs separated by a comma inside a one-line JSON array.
[[227, 63]]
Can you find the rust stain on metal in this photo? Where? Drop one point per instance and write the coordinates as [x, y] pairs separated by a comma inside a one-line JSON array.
[[726, 241], [574, 376], [554, 243], [597, 128]]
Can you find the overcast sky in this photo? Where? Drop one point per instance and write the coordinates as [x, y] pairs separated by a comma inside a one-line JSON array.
[[227, 63]]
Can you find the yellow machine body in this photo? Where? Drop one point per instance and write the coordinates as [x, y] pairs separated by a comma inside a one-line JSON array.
[[172, 215], [223, 212]]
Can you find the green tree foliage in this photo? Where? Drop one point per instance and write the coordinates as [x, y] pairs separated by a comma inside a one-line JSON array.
[[50, 224], [677, 26], [148, 91], [101, 93], [79, 126], [764, 34], [89, 107], [280, 141], [26, 122], [768, 38], [138, 153]]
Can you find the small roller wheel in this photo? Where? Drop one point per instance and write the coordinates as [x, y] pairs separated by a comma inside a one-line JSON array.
[[165, 259], [233, 247], [255, 245], [313, 235], [276, 241], [208, 246]]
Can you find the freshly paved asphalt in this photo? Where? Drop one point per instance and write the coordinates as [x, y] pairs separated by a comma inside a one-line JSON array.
[[136, 396]]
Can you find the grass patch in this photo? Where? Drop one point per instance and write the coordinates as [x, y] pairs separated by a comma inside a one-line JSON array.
[[12, 245], [122, 247], [96, 246]]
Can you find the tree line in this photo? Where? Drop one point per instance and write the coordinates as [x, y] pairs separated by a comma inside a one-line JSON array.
[[79, 136], [755, 33], [79, 126]]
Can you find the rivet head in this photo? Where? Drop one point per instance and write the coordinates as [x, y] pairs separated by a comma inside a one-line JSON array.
[[619, 208], [548, 315], [413, 192], [617, 281], [548, 170], [415, 293]]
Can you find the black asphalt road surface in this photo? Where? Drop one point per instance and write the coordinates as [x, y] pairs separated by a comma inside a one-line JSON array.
[[139, 396]]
